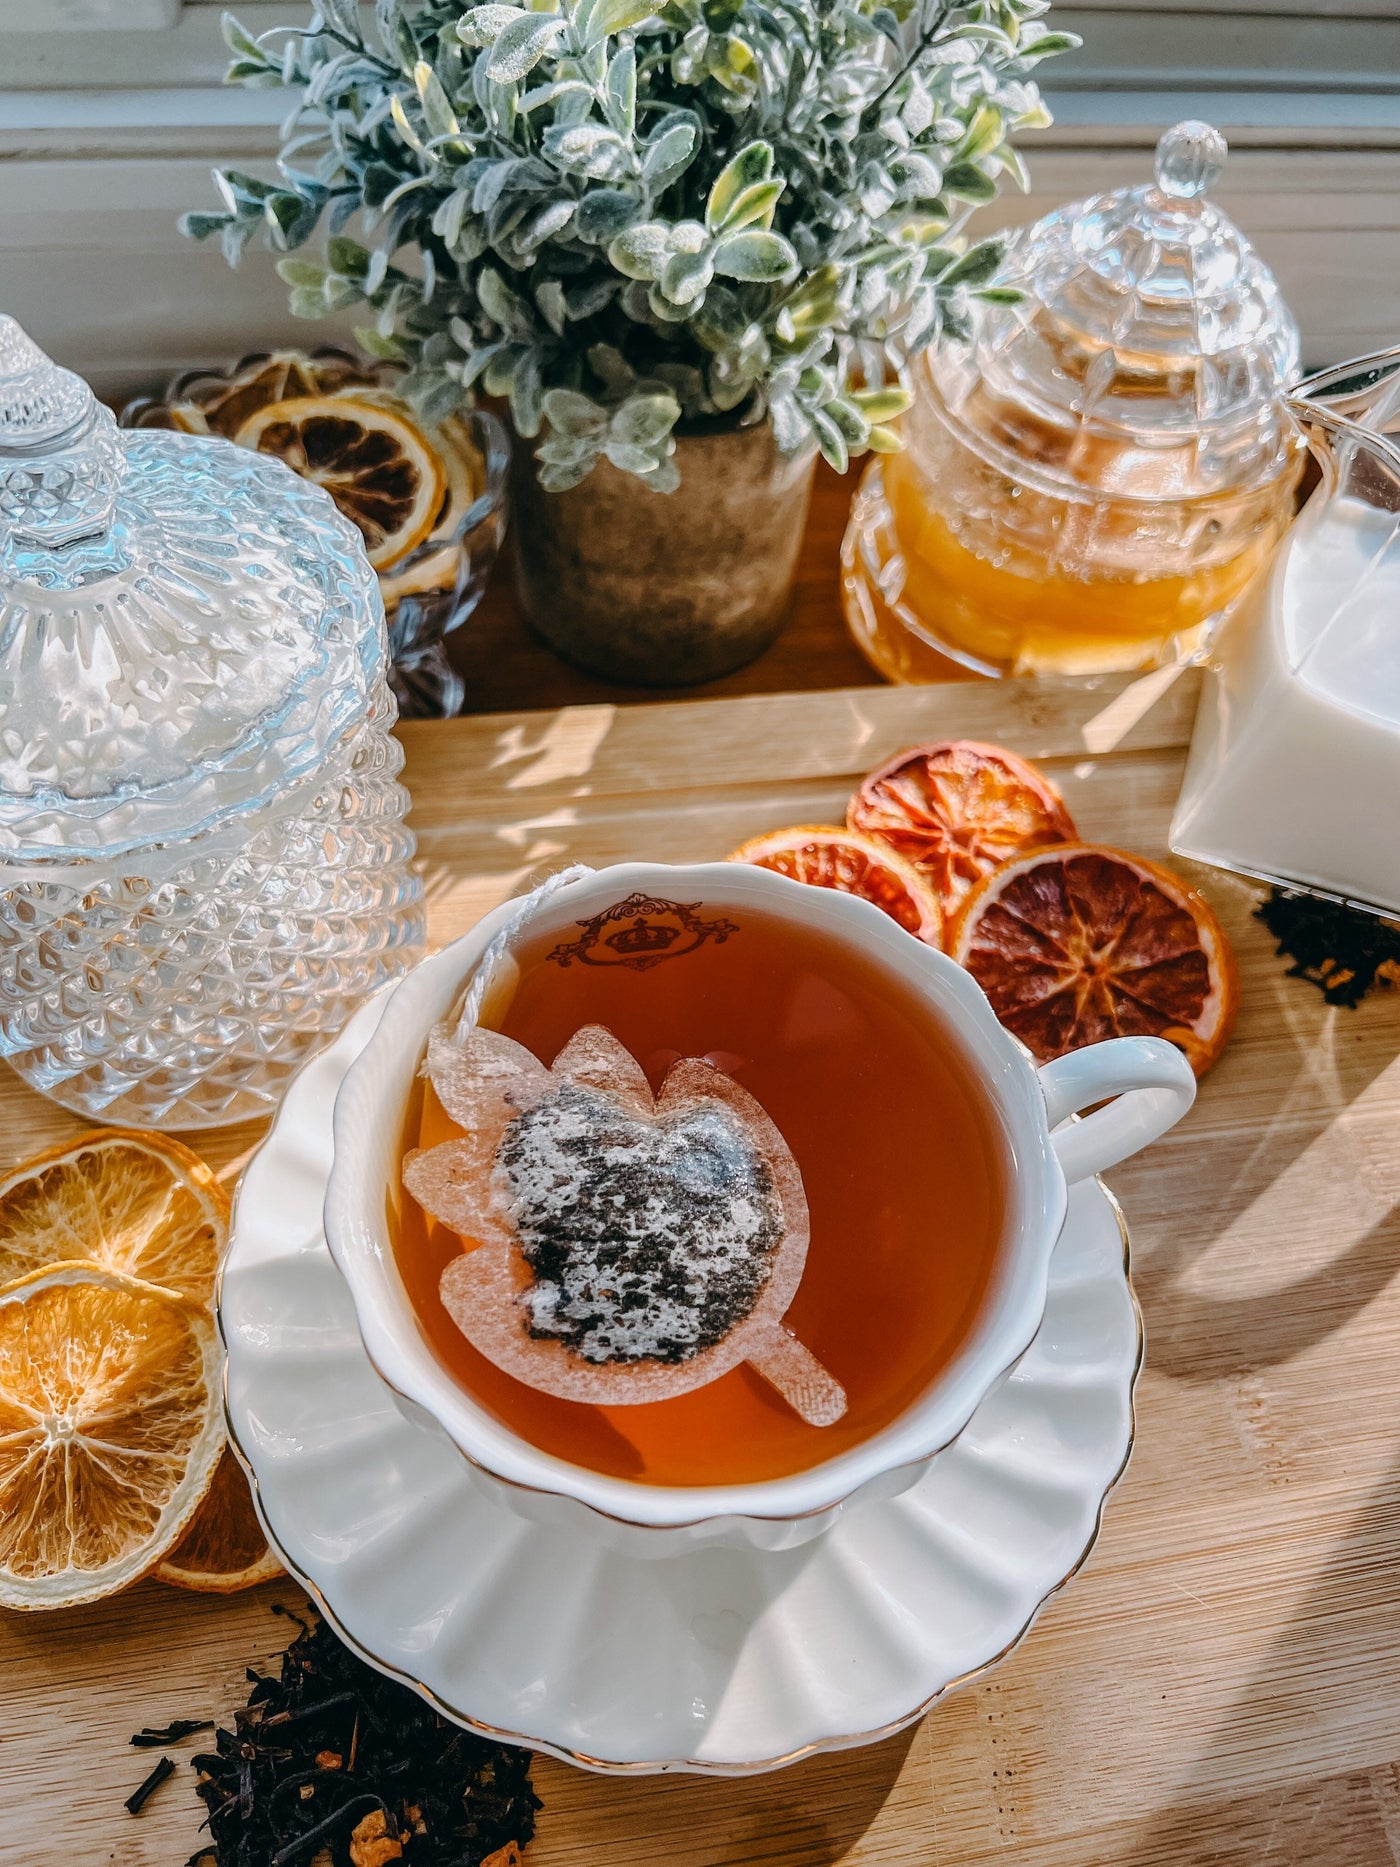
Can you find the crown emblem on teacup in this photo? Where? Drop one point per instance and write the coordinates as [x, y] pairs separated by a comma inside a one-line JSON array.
[[640, 932], [643, 937]]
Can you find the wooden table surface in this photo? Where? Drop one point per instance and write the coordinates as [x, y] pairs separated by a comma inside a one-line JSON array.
[[1221, 1683]]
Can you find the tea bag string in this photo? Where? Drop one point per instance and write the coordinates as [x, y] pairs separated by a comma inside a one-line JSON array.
[[500, 945]]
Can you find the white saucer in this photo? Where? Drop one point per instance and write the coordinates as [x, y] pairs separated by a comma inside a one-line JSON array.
[[718, 1661]]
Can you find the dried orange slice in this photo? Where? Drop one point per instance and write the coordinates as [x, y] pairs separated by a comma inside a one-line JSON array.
[[856, 865], [110, 1429], [1078, 943], [958, 809], [224, 1548], [122, 1198], [375, 463]]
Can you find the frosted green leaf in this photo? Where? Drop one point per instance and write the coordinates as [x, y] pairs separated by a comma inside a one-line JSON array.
[[304, 302], [882, 404], [791, 428], [669, 154], [437, 112], [483, 25], [853, 425], [239, 40], [200, 226], [752, 205], [611, 16], [552, 305], [588, 149], [545, 224], [502, 306], [830, 440], [1049, 44], [448, 216], [521, 46], [644, 420], [664, 477], [404, 127], [622, 90], [640, 252], [752, 165], [629, 459], [755, 256], [977, 266], [526, 394], [685, 276], [387, 349], [301, 272], [604, 213], [969, 184], [573, 414]]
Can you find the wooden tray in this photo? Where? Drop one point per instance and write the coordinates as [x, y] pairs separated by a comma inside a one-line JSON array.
[[1222, 1683]]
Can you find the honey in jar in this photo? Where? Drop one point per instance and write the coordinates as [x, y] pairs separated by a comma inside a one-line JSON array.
[[1095, 477]]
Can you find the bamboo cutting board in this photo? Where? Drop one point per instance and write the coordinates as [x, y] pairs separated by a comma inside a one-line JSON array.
[[1222, 1682]]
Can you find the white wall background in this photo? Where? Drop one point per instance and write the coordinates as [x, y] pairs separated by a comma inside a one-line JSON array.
[[108, 131]]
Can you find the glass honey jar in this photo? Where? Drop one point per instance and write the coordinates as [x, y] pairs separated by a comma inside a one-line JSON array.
[[1091, 481]]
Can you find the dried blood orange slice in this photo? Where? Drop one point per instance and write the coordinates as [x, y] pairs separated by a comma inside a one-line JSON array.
[[224, 1548], [376, 464], [1078, 943], [957, 810], [856, 865]]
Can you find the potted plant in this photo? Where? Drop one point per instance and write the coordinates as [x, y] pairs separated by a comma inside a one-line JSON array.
[[687, 243]]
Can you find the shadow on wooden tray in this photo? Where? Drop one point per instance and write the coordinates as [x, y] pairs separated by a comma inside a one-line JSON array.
[[810, 1815], [1268, 1221], [1312, 1695]]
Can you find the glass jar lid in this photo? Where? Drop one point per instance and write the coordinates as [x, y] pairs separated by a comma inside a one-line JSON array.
[[1150, 348], [186, 628]]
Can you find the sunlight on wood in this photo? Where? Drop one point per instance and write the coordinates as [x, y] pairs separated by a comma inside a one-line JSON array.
[[1109, 727], [565, 749]]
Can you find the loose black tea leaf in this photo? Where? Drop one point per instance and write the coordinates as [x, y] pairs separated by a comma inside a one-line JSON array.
[[332, 1760], [139, 1797], [1340, 950], [151, 1736]]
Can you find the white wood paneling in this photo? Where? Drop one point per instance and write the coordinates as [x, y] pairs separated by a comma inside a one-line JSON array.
[[91, 262], [88, 15], [92, 265]]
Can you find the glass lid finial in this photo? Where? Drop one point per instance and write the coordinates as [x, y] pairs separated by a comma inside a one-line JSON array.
[[1190, 157], [60, 458]]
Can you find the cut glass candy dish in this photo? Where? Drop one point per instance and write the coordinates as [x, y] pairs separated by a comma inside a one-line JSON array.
[[203, 854]]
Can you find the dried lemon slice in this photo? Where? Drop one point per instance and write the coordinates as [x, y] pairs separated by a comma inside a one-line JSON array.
[[224, 1548], [227, 402], [128, 1200], [110, 1429], [377, 466]]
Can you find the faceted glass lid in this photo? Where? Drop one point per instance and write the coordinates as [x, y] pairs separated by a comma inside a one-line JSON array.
[[185, 626], [1146, 316]]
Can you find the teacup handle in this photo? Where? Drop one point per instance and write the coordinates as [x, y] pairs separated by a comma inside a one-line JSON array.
[[1153, 1087]]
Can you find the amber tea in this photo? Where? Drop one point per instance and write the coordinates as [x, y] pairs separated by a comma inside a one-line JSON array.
[[901, 1155]]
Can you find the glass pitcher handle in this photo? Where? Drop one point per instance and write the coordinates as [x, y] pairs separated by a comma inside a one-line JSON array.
[[61, 460]]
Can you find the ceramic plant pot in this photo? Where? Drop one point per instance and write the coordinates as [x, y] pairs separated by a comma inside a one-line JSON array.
[[664, 589]]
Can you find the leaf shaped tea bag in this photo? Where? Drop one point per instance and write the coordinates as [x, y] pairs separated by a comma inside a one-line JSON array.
[[627, 1247]]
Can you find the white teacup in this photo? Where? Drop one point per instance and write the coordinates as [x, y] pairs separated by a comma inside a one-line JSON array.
[[1145, 1084]]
